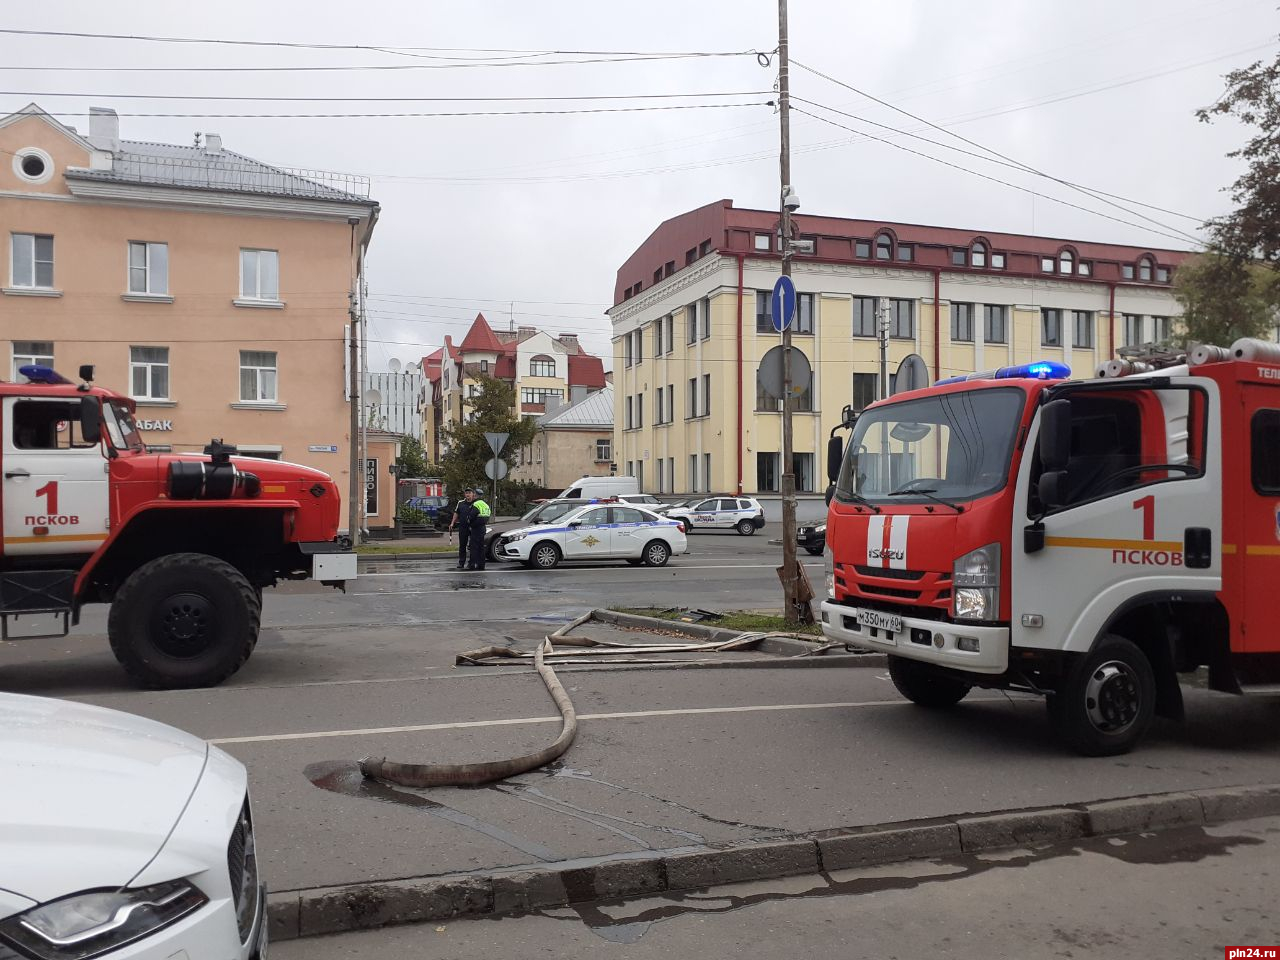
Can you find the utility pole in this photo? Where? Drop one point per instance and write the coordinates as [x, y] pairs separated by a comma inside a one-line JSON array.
[[886, 458], [790, 578], [353, 406]]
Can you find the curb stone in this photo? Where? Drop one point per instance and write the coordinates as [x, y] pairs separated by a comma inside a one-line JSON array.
[[303, 913]]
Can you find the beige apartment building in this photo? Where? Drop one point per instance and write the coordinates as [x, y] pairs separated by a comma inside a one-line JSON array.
[[213, 289], [691, 324]]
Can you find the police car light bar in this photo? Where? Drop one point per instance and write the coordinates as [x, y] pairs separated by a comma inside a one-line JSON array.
[[41, 374], [1040, 370]]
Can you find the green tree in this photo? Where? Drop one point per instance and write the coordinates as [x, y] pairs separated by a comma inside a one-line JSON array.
[[1252, 231], [413, 459], [1224, 298], [493, 411]]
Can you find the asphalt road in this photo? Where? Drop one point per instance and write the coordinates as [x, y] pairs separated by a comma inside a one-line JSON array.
[[1185, 894]]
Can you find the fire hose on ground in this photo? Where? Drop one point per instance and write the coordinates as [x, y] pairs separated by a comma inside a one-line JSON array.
[[477, 774]]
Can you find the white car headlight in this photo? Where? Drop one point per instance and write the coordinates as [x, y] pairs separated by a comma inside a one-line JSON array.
[[976, 584], [512, 538], [87, 924], [829, 570]]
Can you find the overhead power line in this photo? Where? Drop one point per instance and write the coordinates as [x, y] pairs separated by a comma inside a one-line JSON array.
[[465, 113], [977, 173], [995, 153], [323, 99]]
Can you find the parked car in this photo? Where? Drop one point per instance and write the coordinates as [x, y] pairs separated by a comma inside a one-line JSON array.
[[743, 514], [545, 512], [813, 537], [648, 501], [122, 838], [597, 532], [431, 506], [589, 488]]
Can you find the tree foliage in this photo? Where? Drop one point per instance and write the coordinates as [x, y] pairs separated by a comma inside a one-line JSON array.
[[1224, 298], [1252, 231], [413, 459], [493, 411]]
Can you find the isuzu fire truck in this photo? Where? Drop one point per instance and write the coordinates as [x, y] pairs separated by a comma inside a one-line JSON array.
[[179, 545], [1084, 540]]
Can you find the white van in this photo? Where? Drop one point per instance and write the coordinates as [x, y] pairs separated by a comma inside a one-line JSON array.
[[594, 488]]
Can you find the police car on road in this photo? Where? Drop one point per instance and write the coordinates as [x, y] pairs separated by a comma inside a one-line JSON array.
[[743, 514], [596, 532]]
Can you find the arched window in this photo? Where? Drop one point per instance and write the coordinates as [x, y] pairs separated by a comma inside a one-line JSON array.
[[1066, 262], [767, 400], [978, 255], [1144, 269], [542, 366], [884, 247]]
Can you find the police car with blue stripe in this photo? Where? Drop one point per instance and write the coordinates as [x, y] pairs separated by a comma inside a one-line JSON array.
[[597, 532], [743, 514]]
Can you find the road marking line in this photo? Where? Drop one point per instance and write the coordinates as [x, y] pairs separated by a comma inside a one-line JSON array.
[[516, 721], [539, 573]]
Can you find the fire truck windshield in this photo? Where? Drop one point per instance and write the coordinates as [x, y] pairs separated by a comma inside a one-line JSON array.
[[120, 427], [953, 446]]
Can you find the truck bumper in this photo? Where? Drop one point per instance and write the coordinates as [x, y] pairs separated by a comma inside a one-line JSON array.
[[919, 640]]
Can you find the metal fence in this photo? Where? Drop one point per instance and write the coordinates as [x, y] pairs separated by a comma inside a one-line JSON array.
[[217, 172]]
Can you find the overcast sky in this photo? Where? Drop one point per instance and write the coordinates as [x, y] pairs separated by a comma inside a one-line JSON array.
[[481, 212]]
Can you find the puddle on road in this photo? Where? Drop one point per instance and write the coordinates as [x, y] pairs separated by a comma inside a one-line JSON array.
[[1185, 845], [344, 778]]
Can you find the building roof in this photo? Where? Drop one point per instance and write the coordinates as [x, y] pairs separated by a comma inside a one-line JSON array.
[[202, 168], [586, 371], [593, 410], [432, 363], [720, 227], [480, 338]]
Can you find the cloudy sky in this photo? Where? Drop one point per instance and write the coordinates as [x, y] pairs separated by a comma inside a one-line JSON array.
[[527, 218]]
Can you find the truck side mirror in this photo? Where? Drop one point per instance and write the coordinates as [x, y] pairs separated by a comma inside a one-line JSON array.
[[90, 419], [835, 456], [1052, 488], [1055, 435]]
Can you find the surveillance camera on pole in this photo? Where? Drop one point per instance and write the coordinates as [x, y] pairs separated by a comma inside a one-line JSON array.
[[790, 199]]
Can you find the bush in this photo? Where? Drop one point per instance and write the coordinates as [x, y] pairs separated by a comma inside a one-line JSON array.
[[412, 515]]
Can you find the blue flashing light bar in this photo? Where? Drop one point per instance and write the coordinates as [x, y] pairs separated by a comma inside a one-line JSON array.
[[1040, 370], [41, 374]]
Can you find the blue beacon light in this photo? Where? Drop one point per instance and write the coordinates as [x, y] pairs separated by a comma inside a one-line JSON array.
[[1040, 370]]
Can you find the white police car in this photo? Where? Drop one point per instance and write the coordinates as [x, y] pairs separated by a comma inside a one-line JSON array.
[[743, 514], [596, 532]]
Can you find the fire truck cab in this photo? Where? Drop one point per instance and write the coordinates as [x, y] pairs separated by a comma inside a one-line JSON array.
[[1086, 540], [180, 545]]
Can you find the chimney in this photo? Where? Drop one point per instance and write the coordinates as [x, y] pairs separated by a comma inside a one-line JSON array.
[[104, 128], [570, 342], [212, 144], [524, 333]]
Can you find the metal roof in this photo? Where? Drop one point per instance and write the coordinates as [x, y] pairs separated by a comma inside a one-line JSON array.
[[593, 410], [170, 165]]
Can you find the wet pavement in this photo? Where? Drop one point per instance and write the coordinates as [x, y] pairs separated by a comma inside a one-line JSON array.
[[1184, 893]]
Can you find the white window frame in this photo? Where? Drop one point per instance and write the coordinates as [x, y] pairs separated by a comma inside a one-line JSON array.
[[149, 366], [148, 269], [256, 295], [259, 370], [31, 238], [604, 450], [28, 358]]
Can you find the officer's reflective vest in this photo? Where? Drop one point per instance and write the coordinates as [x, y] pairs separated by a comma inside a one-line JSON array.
[[482, 509]]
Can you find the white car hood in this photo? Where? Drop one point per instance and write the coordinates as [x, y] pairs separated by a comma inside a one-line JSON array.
[[87, 795]]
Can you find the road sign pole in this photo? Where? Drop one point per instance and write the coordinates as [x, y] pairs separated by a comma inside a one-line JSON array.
[[790, 579]]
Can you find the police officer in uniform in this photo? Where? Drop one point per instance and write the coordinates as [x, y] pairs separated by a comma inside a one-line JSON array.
[[478, 522], [464, 515]]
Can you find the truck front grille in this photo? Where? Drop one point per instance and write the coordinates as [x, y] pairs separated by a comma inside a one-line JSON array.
[[242, 868]]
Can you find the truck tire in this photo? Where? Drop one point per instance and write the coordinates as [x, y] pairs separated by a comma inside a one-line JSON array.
[[923, 686], [1107, 701], [184, 620]]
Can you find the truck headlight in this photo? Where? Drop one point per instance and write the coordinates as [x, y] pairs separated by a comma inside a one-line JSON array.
[[829, 571], [975, 580], [87, 924]]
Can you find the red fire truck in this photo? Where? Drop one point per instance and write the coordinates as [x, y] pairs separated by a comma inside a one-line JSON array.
[[179, 545], [1084, 540]]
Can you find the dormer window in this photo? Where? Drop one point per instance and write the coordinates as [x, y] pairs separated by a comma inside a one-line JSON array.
[[1066, 262], [1144, 269], [978, 255], [884, 247]]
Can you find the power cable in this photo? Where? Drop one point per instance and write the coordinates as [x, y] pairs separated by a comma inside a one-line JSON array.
[[420, 115], [976, 173], [260, 99], [1009, 160]]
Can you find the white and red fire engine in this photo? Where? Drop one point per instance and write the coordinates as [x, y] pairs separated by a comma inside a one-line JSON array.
[[1085, 540], [179, 545]]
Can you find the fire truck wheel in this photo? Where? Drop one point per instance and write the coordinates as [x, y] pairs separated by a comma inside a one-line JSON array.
[[923, 686], [184, 620], [1107, 701]]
